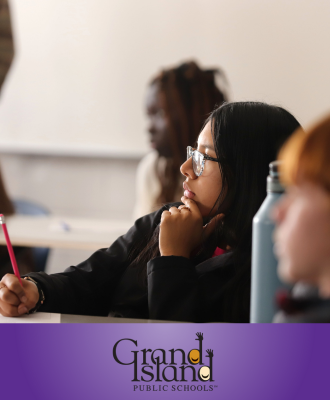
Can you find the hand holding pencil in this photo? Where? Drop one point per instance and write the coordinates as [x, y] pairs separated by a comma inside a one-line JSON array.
[[10, 248], [17, 297]]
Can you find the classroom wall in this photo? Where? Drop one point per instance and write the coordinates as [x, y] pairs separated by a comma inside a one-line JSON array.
[[73, 186], [81, 66]]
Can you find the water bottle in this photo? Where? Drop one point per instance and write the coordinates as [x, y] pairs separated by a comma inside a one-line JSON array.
[[264, 279]]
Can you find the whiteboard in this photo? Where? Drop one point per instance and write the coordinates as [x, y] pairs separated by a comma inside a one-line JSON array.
[[81, 67]]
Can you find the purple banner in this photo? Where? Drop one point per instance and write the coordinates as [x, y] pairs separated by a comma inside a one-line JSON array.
[[162, 361]]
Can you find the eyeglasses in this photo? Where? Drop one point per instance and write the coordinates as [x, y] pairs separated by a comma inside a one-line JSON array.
[[198, 160]]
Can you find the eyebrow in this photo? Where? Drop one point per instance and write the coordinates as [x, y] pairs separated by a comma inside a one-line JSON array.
[[207, 146]]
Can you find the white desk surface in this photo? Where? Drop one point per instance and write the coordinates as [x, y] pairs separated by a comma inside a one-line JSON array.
[[52, 318], [58, 232]]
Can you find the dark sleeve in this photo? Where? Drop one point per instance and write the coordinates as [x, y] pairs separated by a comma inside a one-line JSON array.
[[87, 289], [173, 289]]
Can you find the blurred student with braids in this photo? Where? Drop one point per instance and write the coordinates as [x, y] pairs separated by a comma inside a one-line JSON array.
[[177, 103]]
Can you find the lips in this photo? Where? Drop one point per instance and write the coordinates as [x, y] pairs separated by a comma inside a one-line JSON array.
[[187, 192]]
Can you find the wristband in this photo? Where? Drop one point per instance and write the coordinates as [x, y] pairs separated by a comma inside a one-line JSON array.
[[41, 295]]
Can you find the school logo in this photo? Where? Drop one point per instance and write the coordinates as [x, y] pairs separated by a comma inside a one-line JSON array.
[[159, 366]]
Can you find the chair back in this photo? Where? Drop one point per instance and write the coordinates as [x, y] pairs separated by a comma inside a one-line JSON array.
[[26, 207]]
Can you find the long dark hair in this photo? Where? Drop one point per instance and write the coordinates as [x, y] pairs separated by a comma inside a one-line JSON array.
[[189, 94], [247, 137]]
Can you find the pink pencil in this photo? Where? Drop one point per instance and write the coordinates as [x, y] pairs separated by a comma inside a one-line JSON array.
[[10, 248]]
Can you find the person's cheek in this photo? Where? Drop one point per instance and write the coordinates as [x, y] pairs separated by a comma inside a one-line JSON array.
[[294, 246], [207, 198], [282, 248], [277, 214], [287, 257]]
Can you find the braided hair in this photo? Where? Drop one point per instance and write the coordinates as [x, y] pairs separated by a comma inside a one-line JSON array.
[[188, 94]]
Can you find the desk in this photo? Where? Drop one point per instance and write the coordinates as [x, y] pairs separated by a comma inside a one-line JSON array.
[[65, 233], [52, 318]]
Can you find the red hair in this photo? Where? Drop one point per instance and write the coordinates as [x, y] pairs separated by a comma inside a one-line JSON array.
[[306, 156]]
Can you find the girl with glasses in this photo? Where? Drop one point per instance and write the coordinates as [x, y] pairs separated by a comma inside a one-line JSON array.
[[163, 267]]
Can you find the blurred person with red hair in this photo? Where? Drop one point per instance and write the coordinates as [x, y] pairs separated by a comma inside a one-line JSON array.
[[302, 236]]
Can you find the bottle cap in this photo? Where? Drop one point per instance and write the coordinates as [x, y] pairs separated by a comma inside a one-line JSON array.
[[273, 180]]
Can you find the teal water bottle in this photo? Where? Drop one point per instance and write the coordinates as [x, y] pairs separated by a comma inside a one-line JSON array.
[[264, 279]]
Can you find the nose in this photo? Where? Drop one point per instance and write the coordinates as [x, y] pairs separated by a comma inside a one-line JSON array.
[[279, 210], [186, 169], [151, 128]]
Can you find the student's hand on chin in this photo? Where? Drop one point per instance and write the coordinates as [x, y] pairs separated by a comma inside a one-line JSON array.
[[182, 230], [16, 300]]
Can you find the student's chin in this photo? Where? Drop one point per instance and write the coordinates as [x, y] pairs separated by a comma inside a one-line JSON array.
[[284, 271]]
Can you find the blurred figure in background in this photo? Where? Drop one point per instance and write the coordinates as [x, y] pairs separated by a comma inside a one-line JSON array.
[[303, 226], [6, 41], [24, 255], [177, 103]]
